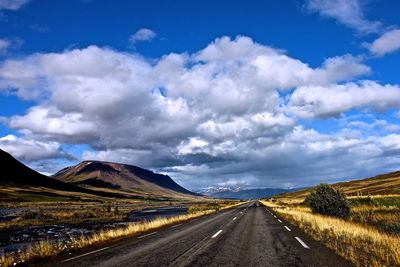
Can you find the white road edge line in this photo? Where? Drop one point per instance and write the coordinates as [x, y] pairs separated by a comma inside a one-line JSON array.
[[147, 235], [287, 228], [94, 251], [176, 225], [302, 242], [279, 221], [216, 234], [234, 219]]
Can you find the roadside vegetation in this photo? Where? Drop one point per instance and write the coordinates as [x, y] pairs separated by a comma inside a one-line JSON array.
[[71, 213], [44, 249], [328, 201], [366, 231]]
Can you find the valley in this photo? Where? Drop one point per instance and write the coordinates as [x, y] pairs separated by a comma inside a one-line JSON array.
[[84, 201], [94, 204]]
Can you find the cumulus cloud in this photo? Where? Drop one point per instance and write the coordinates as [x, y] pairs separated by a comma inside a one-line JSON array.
[[347, 12], [143, 34], [96, 94], [53, 122], [300, 157], [216, 115], [328, 101], [389, 42], [12, 4], [378, 125], [29, 150]]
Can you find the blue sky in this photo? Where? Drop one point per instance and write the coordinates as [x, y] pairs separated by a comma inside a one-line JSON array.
[[253, 93]]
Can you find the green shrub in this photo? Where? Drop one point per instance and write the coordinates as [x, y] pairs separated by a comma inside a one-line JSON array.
[[328, 201]]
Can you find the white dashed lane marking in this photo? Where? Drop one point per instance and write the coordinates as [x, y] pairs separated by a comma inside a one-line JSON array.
[[85, 254], [287, 228], [147, 235], [216, 234], [302, 242]]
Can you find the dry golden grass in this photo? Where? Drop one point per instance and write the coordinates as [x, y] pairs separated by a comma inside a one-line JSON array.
[[67, 213], [375, 196], [381, 185], [361, 244], [46, 249]]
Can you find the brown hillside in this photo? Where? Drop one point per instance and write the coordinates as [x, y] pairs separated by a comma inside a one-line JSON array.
[[384, 184], [122, 177]]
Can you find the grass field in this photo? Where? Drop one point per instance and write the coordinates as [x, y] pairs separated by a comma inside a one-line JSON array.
[[369, 237], [43, 206], [380, 185]]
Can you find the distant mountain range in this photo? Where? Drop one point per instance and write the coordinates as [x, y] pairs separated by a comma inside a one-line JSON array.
[[239, 193], [208, 191], [95, 178]]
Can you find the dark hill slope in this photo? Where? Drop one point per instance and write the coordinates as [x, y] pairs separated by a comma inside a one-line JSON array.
[[17, 174]]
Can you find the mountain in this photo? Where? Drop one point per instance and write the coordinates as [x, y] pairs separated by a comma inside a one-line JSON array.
[[209, 191], [14, 173], [384, 184], [238, 193], [89, 180], [121, 177]]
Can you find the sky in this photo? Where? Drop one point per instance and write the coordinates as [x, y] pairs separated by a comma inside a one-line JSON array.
[[213, 93]]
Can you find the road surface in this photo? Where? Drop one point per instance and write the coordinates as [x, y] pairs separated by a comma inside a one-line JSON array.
[[248, 235]]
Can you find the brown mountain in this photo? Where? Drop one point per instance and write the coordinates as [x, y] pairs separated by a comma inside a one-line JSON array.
[[121, 177], [14, 173]]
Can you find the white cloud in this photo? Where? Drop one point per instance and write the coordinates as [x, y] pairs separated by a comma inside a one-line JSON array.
[[30, 150], [4, 46], [117, 155], [328, 101], [342, 68], [193, 145], [300, 157], [12, 4], [53, 122], [217, 114], [389, 42], [347, 12], [143, 34], [22, 76], [376, 125]]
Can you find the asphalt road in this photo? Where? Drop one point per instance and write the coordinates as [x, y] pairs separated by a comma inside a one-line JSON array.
[[248, 235]]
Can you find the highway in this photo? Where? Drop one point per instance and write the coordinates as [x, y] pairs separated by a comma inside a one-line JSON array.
[[247, 235]]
